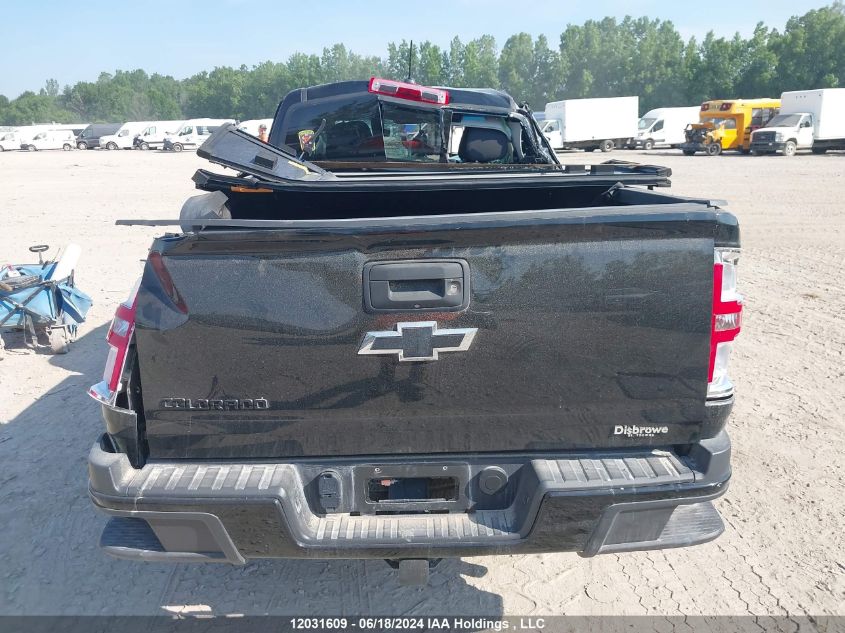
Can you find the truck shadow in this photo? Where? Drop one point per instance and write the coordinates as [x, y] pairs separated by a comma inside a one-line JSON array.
[[53, 565]]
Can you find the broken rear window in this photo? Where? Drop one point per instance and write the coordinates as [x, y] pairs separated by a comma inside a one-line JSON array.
[[361, 128]]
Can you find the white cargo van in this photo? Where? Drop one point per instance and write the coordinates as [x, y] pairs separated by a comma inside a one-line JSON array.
[[591, 124], [16, 137], [808, 119], [193, 133], [9, 140], [50, 139], [153, 135], [664, 127], [123, 138]]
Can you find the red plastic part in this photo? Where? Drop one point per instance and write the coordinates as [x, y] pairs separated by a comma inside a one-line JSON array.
[[120, 341], [721, 307], [409, 92]]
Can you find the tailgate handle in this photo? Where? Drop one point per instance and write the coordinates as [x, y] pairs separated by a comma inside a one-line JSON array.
[[416, 285]]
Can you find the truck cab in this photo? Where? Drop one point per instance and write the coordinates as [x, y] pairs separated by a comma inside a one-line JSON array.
[[551, 129], [727, 125], [785, 133]]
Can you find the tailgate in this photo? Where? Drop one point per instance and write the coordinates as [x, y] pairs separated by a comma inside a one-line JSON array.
[[492, 332]]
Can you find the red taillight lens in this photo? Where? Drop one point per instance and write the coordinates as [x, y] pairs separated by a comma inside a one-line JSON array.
[[118, 337], [726, 320], [410, 92]]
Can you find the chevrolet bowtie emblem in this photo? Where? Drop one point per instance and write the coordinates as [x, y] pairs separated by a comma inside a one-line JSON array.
[[417, 341]]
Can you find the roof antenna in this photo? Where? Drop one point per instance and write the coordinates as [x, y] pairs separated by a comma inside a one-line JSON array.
[[410, 79]]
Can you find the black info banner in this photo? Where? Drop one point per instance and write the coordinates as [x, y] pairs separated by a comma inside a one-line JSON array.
[[550, 624]]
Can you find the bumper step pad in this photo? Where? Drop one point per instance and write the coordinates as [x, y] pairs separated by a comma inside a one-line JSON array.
[[134, 539], [612, 502], [159, 481]]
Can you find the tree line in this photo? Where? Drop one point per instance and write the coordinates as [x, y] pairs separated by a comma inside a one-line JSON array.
[[600, 58]]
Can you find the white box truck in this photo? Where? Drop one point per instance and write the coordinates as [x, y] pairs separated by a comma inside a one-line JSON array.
[[664, 127], [591, 124], [808, 119]]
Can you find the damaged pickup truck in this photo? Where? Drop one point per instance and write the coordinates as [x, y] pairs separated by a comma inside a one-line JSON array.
[[403, 330]]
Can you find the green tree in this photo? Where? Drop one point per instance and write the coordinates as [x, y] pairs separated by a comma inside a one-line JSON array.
[[652, 63], [758, 73], [481, 63], [455, 72], [30, 109], [811, 52], [528, 70], [51, 88], [715, 70], [517, 67], [431, 65], [399, 56], [547, 74]]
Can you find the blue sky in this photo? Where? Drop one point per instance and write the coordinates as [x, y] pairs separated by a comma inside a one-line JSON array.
[[73, 41]]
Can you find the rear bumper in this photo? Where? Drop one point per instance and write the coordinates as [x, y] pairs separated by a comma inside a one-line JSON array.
[[588, 503]]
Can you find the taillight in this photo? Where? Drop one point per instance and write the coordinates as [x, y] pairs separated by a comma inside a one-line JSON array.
[[726, 321], [725, 107], [118, 337], [705, 107], [410, 92]]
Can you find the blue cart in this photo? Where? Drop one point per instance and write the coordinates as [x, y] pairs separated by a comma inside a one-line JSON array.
[[41, 301]]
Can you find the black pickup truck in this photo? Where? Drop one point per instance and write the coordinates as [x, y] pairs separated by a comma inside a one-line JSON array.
[[402, 329]]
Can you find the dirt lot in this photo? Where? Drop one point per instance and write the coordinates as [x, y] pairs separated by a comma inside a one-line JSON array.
[[783, 551]]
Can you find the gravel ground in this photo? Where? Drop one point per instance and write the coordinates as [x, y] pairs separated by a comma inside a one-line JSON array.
[[782, 553]]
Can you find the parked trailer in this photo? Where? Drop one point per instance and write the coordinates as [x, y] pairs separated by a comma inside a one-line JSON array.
[[808, 119], [664, 127], [591, 124]]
